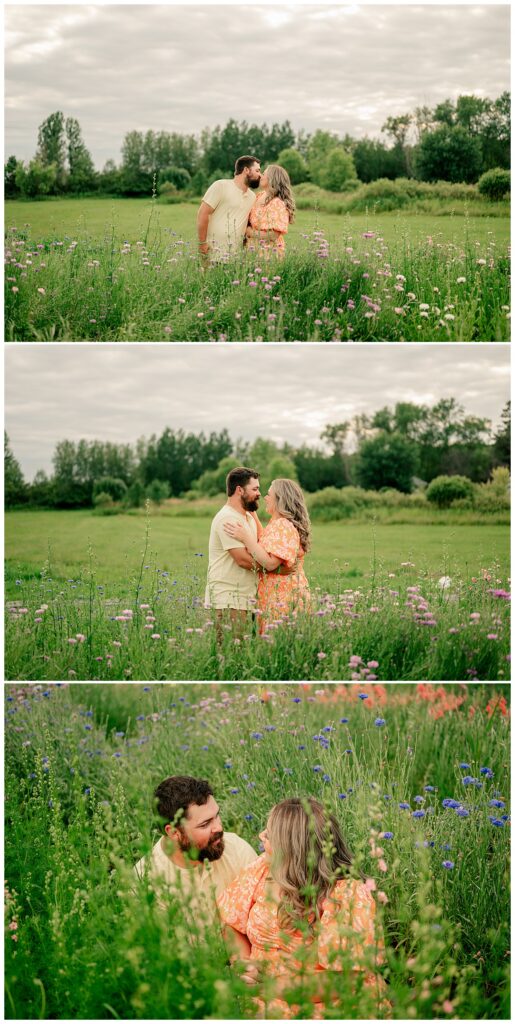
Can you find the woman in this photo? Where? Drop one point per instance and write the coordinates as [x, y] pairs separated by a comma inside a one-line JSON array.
[[298, 910], [284, 541], [271, 214]]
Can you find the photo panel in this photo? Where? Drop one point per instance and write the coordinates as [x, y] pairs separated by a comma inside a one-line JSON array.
[[272, 515]]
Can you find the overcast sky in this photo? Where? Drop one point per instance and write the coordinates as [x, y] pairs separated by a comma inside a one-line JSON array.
[[182, 68], [283, 392]]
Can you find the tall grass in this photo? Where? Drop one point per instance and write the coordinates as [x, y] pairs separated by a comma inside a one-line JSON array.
[[351, 289], [410, 624], [83, 941]]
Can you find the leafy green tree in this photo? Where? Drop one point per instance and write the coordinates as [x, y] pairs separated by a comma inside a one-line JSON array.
[[36, 179], [294, 163], [319, 147], [11, 188], [373, 160], [81, 172], [179, 177], [450, 153], [443, 490], [116, 488], [502, 438], [495, 184], [136, 179], [51, 146], [110, 178], [15, 488], [388, 460], [397, 128], [337, 170], [158, 491], [42, 491]]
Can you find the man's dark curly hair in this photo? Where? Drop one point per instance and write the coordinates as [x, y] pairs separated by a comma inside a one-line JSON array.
[[177, 793]]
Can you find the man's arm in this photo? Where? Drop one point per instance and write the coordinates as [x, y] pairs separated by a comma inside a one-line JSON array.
[[203, 216], [242, 558]]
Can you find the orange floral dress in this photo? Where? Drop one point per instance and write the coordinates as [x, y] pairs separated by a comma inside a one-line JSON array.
[[247, 906], [278, 595], [265, 217]]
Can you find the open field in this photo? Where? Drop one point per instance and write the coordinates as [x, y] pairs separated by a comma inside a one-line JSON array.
[[369, 583], [82, 763], [121, 270]]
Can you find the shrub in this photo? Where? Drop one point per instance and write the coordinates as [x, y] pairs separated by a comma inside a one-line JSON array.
[[494, 184], [444, 490], [332, 503], [115, 488], [158, 491]]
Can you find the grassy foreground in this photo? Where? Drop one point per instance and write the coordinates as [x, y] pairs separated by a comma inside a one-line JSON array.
[[81, 766], [125, 270], [417, 602]]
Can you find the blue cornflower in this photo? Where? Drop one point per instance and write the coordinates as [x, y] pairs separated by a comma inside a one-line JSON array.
[[418, 814], [342, 720], [317, 767], [328, 728], [386, 797], [462, 812], [88, 714], [251, 785], [117, 753], [379, 722], [46, 693], [448, 864], [342, 796], [349, 751], [505, 817], [468, 780], [363, 696], [119, 734], [204, 748], [44, 760], [404, 807], [428, 842], [234, 791], [496, 803], [445, 846], [486, 771], [418, 799], [270, 728], [256, 735], [326, 778], [464, 766], [387, 835], [146, 689], [302, 746], [499, 822], [297, 700], [88, 728], [249, 817], [430, 789], [316, 738], [140, 718], [87, 791], [50, 803]]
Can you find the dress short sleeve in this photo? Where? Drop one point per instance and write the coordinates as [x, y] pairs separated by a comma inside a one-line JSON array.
[[236, 902], [355, 910], [278, 218], [281, 539]]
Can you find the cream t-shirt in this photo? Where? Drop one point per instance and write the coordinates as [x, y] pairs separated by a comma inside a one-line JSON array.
[[229, 220], [228, 585], [199, 884]]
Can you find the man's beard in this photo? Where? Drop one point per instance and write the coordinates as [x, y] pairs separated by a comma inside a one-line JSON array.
[[250, 504], [213, 850], [253, 182]]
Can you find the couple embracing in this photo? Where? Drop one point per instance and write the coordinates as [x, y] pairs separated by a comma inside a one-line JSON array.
[[301, 909], [234, 216], [256, 569]]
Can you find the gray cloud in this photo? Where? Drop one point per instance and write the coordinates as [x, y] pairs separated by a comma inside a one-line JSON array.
[[182, 68], [287, 393]]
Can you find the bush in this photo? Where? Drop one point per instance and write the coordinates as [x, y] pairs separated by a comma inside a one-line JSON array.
[[103, 500], [494, 496], [158, 491], [494, 184], [444, 490], [115, 488], [135, 495]]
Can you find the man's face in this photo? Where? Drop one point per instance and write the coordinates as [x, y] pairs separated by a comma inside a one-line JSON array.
[[253, 176], [202, 830], [250, 495]]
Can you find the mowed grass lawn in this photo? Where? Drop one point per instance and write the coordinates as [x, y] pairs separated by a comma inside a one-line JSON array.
[[343, 553], [127, 220]]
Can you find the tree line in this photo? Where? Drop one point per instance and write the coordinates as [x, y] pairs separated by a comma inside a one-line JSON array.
[[403, 447], [456, 142]]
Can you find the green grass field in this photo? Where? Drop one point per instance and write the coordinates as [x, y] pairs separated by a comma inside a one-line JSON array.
[[132, 593], [83, 941], [342, 553], [125, 270]]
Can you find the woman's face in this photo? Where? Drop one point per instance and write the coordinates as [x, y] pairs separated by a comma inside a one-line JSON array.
[[270, 502], [264, 178], [265, 840]]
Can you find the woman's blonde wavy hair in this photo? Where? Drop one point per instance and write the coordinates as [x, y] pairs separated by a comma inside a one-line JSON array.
[[309, 855], [279, 184], [290, 504]]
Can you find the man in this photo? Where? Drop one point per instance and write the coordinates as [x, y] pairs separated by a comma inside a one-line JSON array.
[[224, 210], [195, 857], [231, 577]]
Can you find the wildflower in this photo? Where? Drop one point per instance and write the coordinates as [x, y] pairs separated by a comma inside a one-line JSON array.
[[451, 803], [468, 780], [498, 822], [342, 796], [404, 807], [418, 814], [381, 896], [496, 803], [234, 791], [429, 789], [486, 771], [462, 812], [41, 291], [382, 865], [344, 720], [492, 636], [321, 655], [386, 835], [448, 864], [380, 722], [363, 696], [464, 765], [461, 280]]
